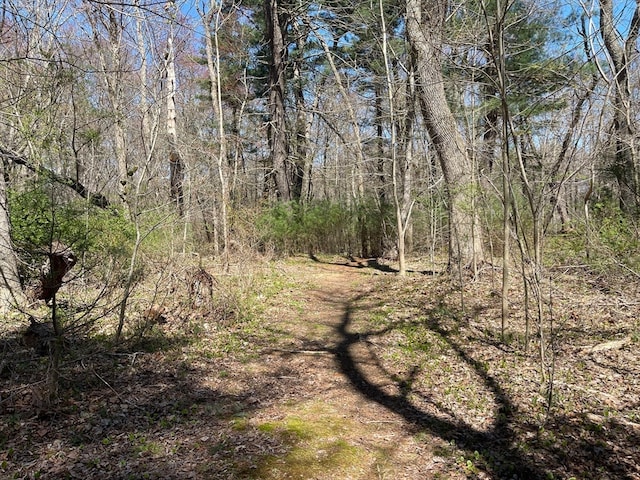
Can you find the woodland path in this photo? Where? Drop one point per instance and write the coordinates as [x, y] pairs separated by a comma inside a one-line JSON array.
[[381, 443], [355, 412], [344, 372]]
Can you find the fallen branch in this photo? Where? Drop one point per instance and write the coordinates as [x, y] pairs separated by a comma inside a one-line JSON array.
[[96, 199], [611, 345]]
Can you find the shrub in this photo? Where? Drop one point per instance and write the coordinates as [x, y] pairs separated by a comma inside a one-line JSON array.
[[41, 215], [323, 226], [616, 235]]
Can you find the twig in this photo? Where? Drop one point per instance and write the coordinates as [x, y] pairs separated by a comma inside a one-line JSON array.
[[116, 392], [304, 352], [132, 355], [10, 392], [108, 385], [633, 272]]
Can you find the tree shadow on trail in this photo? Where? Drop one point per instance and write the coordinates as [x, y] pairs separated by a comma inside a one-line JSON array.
[[498, 454], [357, 262], [138, 415], [492, 445]]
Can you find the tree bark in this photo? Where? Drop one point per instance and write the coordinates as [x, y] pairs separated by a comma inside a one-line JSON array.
[[277, 132], [406, 170], [302, 128], [10, 287], [425, 24], [621, 54], [176, 166]]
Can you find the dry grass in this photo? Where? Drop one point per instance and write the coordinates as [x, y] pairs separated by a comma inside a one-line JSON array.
[[305, 369]]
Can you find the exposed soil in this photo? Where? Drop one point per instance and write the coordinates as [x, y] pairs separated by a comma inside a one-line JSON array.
[[349, 373]]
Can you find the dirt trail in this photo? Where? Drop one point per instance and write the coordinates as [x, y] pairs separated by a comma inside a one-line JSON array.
[[373, 442], [341, 372], [365, 401]]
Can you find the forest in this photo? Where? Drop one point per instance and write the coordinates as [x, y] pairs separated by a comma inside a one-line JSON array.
[[212, 210]]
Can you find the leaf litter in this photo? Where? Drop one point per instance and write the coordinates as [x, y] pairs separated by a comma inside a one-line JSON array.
[[345, 373]]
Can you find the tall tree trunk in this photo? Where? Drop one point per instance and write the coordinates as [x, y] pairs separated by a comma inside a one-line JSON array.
[[112, 69], [143, 105], [301, 157], [496, 34], [114, 79], [378, 234], [176, 165], [425, 38], [215, 79], [10, 288], [621, 55], [276, 28], [406, 170], [380, 148], [400, 171]]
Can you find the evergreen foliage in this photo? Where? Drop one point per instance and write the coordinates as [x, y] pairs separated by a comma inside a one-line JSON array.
[[323, 226]]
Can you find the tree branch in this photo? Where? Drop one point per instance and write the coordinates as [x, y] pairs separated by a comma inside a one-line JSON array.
[[96, 199]]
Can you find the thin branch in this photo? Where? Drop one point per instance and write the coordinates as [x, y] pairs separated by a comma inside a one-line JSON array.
[[96, 199]]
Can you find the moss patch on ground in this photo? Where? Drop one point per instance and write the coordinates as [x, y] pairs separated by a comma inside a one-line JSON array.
[[317, 445]]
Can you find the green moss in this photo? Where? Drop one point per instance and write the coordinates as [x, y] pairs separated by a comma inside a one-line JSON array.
[[314, 437], [267, 427], [304, 461], [239, 423]]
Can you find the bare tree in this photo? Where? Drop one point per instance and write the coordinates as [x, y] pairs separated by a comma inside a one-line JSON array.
[[107, 22], [425, 26], [401, 170], [357, 189], [176, 164], [212, 48], [622, 53]]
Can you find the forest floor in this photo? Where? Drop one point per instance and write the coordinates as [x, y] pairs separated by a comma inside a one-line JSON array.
[[347, 372]]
